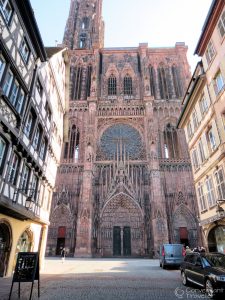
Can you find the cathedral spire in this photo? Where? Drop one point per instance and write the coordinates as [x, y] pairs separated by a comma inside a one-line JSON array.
[[84, 27]]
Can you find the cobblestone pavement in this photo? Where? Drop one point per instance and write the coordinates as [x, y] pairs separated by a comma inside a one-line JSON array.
[[105, 279]]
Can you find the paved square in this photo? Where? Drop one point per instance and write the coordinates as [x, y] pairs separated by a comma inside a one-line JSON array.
[[101, 279]]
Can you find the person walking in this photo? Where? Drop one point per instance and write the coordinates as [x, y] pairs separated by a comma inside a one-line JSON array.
[[63, 254]]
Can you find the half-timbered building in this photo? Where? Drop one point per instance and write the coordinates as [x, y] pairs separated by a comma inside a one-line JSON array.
[[32, 105], [124, 185]]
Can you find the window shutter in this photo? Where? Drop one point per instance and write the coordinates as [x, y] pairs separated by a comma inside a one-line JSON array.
[[212, 90], [205, 145], [222, 67], [215, 132]]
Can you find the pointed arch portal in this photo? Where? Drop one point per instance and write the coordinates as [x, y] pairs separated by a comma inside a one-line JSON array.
[[122, 227]]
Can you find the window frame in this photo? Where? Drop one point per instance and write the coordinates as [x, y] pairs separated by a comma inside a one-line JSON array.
[[218, 82], [220, 191], [43, 148], [13, 168], [195, 119], [211, 195], [7, 17], [203, 104], [201, 151], [201, 197], [30, 120], [210, 52], [14, 92], [212, 139], [24, 181], [221, 25], [127, 85], [195, 159], [7, 83], [112, 85], [15, 97], [3, 152], [189, 130], [24, 54], [37, 137], [34, 186], [2, 67]]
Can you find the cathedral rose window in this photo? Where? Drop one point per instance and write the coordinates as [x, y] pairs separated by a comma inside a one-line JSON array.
[[121, 136]]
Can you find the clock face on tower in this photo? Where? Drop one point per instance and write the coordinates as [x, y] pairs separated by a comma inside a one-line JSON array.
[[121, 136]]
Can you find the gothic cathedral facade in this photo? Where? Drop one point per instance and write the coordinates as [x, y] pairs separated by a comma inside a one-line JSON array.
[[124, 185]]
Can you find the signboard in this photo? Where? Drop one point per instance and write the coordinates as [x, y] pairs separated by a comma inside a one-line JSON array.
[[27, 270]]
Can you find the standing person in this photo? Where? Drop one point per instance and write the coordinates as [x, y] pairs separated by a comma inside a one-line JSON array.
[[188, 250], [63, 254]]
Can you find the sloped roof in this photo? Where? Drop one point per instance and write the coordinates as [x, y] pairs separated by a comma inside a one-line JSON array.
[[52, 50]]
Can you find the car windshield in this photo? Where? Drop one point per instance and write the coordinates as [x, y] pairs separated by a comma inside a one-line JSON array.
[[215, 260]]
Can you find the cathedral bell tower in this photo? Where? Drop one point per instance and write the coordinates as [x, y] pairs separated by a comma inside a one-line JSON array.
[[85, 27]]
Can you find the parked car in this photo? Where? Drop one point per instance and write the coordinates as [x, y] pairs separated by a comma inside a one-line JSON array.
[[171, 255], [207, 270]]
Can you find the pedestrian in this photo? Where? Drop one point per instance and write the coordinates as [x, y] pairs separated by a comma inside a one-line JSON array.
[[202, 250], [63, 254], [188, 250], [196, 249]]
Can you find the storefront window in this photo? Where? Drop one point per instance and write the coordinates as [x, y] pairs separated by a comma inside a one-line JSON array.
[[216, 239], [220, 238], [23, 245]]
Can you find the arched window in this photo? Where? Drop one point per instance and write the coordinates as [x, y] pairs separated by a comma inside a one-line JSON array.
[[85, 23], [88, 82], [176, 82], [75, 82], [74, 142], [82, 41], [163, 85], [127, 85], [152, 81], [170, 142], [165, 82], [112, 88]]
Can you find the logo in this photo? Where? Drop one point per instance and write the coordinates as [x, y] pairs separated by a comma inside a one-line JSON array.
[[179, 293]]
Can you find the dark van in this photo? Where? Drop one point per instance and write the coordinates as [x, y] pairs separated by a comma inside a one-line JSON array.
[[171, 255]]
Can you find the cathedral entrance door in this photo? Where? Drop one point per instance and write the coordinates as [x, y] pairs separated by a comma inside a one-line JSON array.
[[126, 241], [116, 241]]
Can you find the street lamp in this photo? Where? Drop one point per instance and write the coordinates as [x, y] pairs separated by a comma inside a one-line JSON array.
[[219, 210], [30, 201]]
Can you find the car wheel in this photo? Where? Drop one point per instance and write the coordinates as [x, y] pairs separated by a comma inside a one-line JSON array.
[[160, 264], [209, 289], [184, 278]]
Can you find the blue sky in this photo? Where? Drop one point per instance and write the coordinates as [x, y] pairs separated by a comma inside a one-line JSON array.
[[161, 23]]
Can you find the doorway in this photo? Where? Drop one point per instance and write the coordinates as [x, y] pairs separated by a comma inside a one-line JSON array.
[[121, 238], [60, 245], [116, 241], [184, 236], [61, 239], [5, 243], [126, 241]]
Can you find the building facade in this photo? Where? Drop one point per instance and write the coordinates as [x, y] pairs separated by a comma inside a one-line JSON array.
[[124, 185], [203, 121], [32, 107]]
